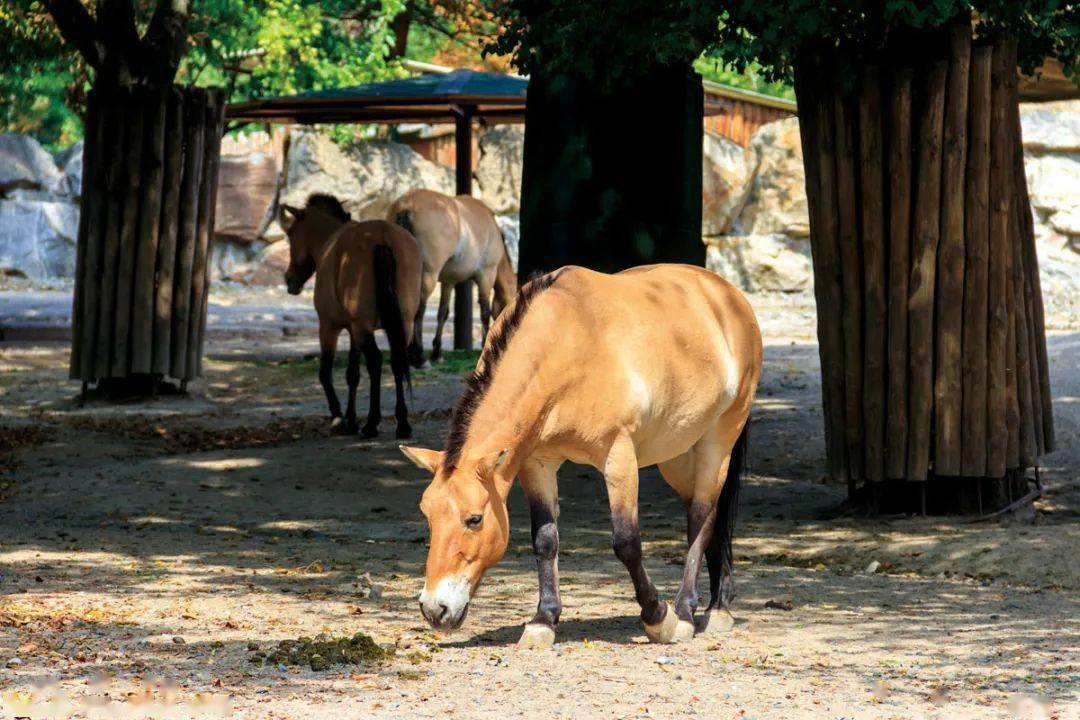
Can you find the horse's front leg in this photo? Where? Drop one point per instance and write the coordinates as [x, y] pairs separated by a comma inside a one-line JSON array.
[[541, 489], [352, 379], [440, 320], [328, 337], [621, 477]]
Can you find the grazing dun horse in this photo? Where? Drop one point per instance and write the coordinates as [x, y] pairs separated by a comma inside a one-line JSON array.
[[367, 275], [459, 240], [653, 365]]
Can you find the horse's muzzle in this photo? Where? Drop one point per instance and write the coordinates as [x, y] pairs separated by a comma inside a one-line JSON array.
[[293, 285], [446, 608]]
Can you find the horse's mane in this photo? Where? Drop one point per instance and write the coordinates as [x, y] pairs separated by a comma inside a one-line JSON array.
[[330, 205], [480, 380]]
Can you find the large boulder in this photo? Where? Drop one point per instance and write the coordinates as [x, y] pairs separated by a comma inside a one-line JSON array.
[[70, 164], [247, 185], [367, 177], [758, 263], [776, 201], [510, 225], [725, 183], [268, 268], [1051, 134], [228, 258], [498, 171], [37, 238], [25, 165]]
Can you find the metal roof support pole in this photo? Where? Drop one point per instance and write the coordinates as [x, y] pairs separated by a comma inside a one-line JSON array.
[[463, 292]]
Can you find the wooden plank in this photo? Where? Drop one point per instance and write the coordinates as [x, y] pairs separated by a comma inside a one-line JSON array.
[[152, 175], [116, 190], [1027, 450], [816, 130], [851, 282], [976, 267], [169, 227], [948, 371], [133, 145], [84, 334], [900, 172], [926, 232], [215, 126], [875, 348], [997, 434], [194, 137]]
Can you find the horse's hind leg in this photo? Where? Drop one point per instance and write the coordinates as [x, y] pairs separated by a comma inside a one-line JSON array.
[[416, 347], [328, 337], [483, 293], [621, 478], [440, 320], [373, 361], [400, 365], [352, 378]]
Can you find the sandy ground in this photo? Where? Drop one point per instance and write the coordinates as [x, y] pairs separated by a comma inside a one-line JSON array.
[[149, 549]]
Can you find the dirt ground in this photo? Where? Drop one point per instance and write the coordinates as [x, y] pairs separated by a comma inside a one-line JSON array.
[[149, 550]]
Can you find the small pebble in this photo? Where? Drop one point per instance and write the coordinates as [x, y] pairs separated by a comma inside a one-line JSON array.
[[179, 640], [872, 567], [665, 660], [14, 662]]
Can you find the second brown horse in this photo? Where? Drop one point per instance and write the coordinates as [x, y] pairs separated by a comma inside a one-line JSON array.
[[368, 276]]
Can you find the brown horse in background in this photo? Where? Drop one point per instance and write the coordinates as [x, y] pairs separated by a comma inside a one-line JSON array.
[[368, 276], [459, 241]]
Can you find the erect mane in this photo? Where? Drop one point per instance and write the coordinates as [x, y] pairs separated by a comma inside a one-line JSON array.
[[330, 205], [480, 380]]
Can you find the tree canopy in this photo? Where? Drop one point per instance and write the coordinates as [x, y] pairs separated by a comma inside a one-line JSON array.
[[612, 39]]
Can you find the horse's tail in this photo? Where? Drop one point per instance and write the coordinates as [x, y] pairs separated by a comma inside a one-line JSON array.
[[403, 219], [506, 285], [727, 508], [388, 307]]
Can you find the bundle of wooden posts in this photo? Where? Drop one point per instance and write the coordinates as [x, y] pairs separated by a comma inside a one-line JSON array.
[[930, 312], [147, 214]]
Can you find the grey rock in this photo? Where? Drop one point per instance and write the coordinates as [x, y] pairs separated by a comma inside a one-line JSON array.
[[25, 164], [37, 238], [498, 171]]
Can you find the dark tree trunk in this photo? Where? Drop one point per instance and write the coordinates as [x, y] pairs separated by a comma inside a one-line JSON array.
[[952, 375], [585, 200]]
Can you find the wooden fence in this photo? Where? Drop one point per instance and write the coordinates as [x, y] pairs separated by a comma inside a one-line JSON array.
[[150, 168]]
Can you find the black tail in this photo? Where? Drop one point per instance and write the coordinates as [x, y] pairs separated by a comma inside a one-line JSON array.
[[403, 219], [389, 309], [727, 508]]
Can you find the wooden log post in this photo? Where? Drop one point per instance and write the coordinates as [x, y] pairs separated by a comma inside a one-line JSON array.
[[948, 371], [875, 350], [173, 177], [152, 175], [94, 201], [463, 292], [213, 113], [816, 131], [186, 239], [851, 285], [997, 434], [129, 229], [976, 266], [924, 248], [117, 131], [900, 172]]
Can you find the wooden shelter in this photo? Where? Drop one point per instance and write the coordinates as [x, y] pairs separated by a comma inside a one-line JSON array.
[[461, 97]]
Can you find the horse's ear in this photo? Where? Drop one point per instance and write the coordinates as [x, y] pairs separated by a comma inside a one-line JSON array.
[[289, 215], [424, 459], [493, 461]]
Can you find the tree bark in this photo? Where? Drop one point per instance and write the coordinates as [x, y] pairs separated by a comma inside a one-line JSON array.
[[900, 171], [215, 120], [169, 229], [851, 287], [84, 336], [116, 190], [151, 178], [923, 265], [997, 433], [874, 271], [976, 266], [948, 381]]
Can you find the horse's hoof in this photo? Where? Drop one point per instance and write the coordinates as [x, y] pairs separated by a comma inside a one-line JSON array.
[[717, 621], [667, 630], [403, 432], [536, 636], [369, 431], [341, 426], [684, 632]]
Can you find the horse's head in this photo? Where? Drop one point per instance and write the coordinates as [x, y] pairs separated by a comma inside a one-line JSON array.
[[308, 229], [465, 508]]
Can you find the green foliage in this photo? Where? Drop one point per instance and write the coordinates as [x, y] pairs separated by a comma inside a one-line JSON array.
[[607, 40], [714, 69]]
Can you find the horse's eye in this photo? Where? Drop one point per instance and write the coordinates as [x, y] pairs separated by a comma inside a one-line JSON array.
[[473, 522]]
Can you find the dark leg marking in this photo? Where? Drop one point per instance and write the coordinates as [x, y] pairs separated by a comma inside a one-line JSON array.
[[326, 377], [373, 361], [545, 538], [352, 378], [701, 520], [401, 411], [626, 541]]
